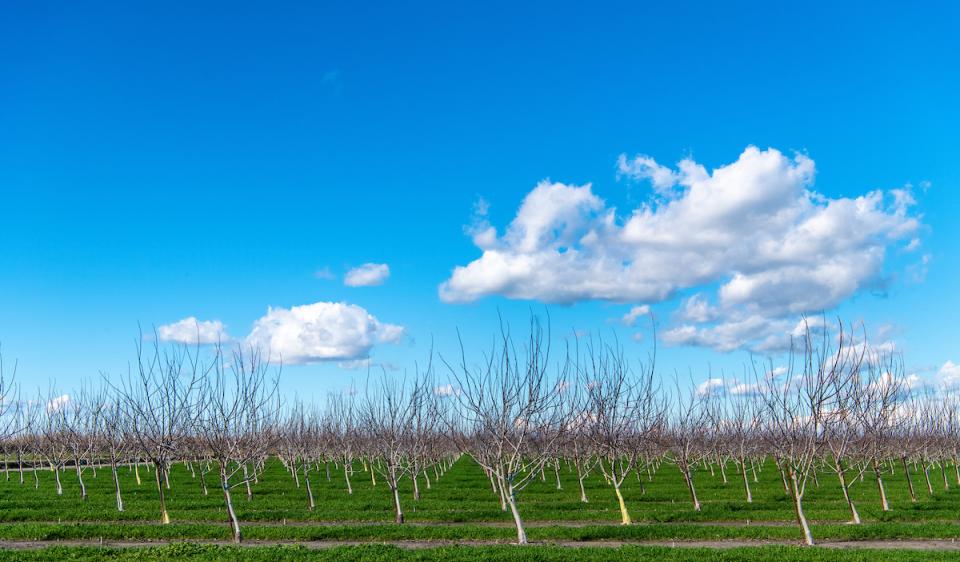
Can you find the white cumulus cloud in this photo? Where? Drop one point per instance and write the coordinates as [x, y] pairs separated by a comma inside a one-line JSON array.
[[761, 245], [193, 331], [367, 275], [322, 331], [59, 403]]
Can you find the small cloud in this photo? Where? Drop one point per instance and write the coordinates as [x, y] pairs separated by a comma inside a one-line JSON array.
[[58, 404], [367, 275], [446, 390], [777, 372], [630, 318], [710, 387], [193, 331]]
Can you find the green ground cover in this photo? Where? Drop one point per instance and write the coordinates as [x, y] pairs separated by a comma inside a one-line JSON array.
[[464, 495], [461, 507]]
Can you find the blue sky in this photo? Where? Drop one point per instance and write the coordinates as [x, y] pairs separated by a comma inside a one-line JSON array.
[[175, 160]]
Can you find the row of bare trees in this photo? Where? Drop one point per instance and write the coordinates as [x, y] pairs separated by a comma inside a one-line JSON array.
[[520, 411]]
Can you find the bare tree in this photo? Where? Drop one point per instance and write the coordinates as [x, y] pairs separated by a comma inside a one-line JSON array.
[[159, 398], [798, 407], [238, 408], [686, 427], [880, 393], [509, 414], [387, 418], [622, 410]]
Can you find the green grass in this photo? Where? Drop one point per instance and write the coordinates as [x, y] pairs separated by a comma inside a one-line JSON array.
[[278, 510], [463, 495], [459, 553]]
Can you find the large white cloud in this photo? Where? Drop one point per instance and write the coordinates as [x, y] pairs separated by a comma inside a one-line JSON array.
[[193, 331], [762, 245], [322, 331], [367, 275]]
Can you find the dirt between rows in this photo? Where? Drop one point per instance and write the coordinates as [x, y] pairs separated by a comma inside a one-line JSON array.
[[946, 545]]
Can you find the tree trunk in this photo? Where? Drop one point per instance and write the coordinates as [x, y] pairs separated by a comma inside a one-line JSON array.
[[246, 481], [693, 491], [723, 468], [746, 481], [624, 514], [56, 472], [846, 494], [116, 485], [164, 515], [926, 476], [396, 504], [228, 499], [203, 481], [83, 487], [416, 486], [346, 475], [521, 532], [883, 492], [906, 473], [798, 509], [583, 491], [306, 480]]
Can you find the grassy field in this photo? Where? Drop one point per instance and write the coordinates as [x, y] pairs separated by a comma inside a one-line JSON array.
[[460, 506]]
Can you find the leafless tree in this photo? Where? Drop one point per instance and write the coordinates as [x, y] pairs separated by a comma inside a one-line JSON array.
[[881, 391], [622, 410], [238, 408], [387, 418], [509, 414], [798, 407], [686, 427], [159, 398]]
